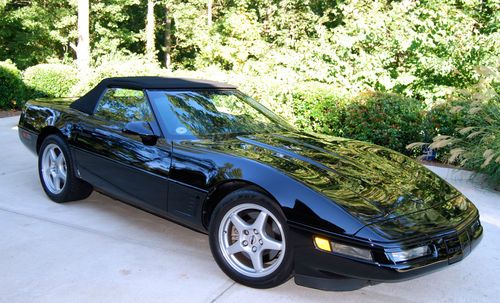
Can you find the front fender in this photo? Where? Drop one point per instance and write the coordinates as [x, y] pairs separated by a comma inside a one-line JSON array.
[[207, 168]]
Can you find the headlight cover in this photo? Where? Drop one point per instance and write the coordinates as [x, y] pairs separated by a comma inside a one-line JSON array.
[[409, 254], [352, 251]]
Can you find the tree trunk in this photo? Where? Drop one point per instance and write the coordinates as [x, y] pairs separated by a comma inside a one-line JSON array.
[[83, 46], [209, 12], [168, 42], [150, 31]]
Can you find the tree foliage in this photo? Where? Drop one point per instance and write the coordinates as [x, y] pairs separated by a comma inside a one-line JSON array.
[[422, 49]]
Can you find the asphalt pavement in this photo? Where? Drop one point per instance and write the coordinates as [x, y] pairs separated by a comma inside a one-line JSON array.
[[102, 250]]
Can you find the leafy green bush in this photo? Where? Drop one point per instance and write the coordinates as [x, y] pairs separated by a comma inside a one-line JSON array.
[[317, 108], [11, 86], [474, 143], [443, 119], [385, 119], [50, 80], [117, 65]]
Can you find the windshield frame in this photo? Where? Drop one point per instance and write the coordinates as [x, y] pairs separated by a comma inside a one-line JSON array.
[[275, 118]]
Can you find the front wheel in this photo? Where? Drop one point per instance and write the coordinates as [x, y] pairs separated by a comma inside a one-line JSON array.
[[249, 239], [57, 173]]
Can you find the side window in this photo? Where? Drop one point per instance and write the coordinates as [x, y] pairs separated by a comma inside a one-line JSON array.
[[124, 105]]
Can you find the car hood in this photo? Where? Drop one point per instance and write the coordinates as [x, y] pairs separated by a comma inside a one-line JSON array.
[[371, 182]]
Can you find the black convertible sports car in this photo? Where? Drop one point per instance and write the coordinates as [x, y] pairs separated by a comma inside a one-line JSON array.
[[274, 201]]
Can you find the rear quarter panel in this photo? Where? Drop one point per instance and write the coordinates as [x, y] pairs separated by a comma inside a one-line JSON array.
[[38, 116]]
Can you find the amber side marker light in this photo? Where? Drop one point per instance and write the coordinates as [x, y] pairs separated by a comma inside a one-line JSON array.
[[322, 243], [342, 249]]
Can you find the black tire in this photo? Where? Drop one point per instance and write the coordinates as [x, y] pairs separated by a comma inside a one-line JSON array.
[[73, 188], [283, 271]]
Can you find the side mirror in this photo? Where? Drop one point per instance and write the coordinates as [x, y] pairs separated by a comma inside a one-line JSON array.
[[141, 129]]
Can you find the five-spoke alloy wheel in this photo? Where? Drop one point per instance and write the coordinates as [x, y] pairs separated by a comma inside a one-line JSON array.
[[54, 169], [248, 238], [57, 173]]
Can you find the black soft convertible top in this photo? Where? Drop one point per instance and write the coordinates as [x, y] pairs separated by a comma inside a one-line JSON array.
[[87, 102]]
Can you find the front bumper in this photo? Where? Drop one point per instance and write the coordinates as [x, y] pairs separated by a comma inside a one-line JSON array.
[[329, 271]]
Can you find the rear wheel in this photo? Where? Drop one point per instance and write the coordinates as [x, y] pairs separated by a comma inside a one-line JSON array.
[[249, 240], [57, 173]]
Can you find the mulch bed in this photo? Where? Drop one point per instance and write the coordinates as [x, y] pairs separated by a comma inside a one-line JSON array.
[[9, 113]]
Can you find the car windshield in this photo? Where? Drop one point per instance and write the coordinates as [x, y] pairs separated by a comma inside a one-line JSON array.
[[212, 112]]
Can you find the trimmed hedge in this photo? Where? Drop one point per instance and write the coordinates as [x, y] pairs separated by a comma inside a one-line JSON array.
[[11, 86], [50, 80], [385, 119]]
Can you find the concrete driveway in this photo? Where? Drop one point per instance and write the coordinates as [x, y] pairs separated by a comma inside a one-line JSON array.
[[101, 250]]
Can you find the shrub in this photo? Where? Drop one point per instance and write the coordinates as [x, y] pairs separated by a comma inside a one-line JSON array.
[[474, 143], [117, 66], [317, 108], [385, 119], [11, 86], [444, 119], [389, 120], [50, 80]]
